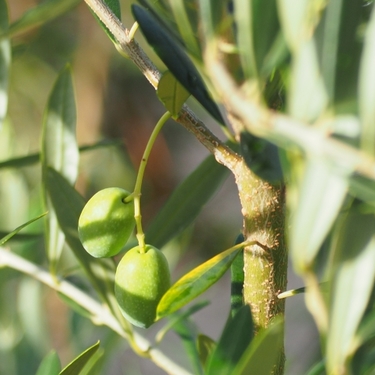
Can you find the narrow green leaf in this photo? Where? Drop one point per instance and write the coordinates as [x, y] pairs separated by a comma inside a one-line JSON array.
[[44, 12], [321, 195], [318, 369], [5, 59], [367, 89], [308, 97], [75, 367], [195, 282], [353, 277], [25, 161], [235, 339], [205, 347], [68, 204], [186, 202], [211, 12], [50, 365], [293, 15], [13, 233], [171, 93], [60, 151], [366, 331], [363, 189], [187, 333], [180, 9], [330, 44], [257, 27], [114, 6], [175, 318], [262, 354]]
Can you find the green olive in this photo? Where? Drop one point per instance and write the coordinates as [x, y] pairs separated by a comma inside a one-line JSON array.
[[141, 280], [106, 222]]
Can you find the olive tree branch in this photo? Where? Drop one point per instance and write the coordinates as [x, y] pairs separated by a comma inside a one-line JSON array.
[[128, 46], [284, 130], [100, 315]]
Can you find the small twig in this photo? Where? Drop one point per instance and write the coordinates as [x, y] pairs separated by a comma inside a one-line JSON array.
[[100, 314], [128, 45]]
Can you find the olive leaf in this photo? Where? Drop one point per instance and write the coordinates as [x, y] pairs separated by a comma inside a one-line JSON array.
[[75, 367], [171, 93], [195, 282]]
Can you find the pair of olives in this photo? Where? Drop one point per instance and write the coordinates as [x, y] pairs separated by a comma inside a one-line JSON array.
[[142, 276]]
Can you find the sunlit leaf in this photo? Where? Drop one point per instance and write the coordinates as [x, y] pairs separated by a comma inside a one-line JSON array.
[[235, 339], [262, 354], [186, 202], [13, 233], [367, 89], [321, 195], [353, 276], [195, 282], [50, 365], [171, 93], [43, 12], [74, 367], [60, 151], [5, 59]]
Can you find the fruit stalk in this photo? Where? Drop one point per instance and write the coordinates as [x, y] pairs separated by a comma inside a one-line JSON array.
[[138, 184]]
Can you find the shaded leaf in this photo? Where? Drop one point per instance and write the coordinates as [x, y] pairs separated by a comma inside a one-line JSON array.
[[321, 195], [13, 233], [171, 93], [264, 350], [5, 60], [60, 151], [176, 317], [353, 277], [262, 157], [68, 204], [186, 202], [195, 282], [176, 60], [75, 367], [44, 12], [187, 333], [205, 347], [50, 365], [318, 369], [235, 339]]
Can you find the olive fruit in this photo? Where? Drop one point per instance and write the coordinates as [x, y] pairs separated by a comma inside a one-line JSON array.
[[141, 280], [106, 222]]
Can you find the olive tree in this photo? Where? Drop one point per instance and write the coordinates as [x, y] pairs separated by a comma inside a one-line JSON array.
[[290, 87]]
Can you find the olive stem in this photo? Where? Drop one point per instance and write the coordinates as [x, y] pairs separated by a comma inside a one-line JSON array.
[[136, 196]]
